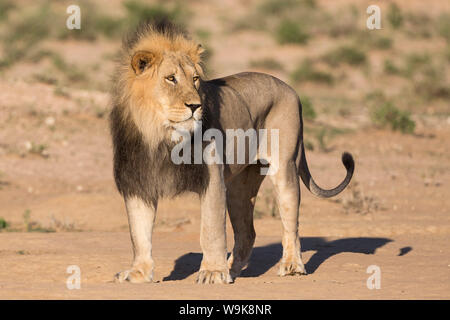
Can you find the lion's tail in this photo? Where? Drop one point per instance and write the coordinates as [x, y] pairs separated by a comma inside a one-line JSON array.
[[304, 173]]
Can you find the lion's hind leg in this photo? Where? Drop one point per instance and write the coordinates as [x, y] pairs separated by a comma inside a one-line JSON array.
[[241, 196]]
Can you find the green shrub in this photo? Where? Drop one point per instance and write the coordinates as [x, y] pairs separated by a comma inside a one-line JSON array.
[[420, 25], [306, 72], [415, 62], [5, 7], [431, 82], [3, 224], [391, 68], [382, 43], [387, 115], [308, 111], [345, 54], [395, 16], [289, 31], [443, 26]]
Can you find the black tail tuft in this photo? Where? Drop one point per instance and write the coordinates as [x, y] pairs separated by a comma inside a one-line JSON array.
[[348, 161]]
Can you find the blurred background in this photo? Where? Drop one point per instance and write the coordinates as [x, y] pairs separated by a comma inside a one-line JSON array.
[[381, 94]]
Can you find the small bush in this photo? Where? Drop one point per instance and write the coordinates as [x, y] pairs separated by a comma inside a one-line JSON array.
[[346, 54], [306, 72], [391, 68], [431, 82], [387, 115], [428, 76], [395, 16], [308, 111], [415, 62], [382, 43], [443, 26], [289, 31], [419, 25], [5, 7], [3, 224]]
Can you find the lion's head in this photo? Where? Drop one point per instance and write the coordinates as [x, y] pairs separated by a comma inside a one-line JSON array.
[[158, 80]]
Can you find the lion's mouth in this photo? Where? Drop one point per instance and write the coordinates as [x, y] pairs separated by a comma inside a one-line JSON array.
[[188, 124], [192, 118], [182, 121]]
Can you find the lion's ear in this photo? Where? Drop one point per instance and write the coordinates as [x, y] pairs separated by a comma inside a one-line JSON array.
[[196, 54], [200, 49], [142, 60]]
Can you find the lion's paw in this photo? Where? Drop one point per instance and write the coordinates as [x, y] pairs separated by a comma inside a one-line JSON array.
[[133, 276], [291, 268], [207, 277]]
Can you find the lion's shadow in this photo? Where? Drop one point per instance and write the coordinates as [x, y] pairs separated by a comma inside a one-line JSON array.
[[265, 257]]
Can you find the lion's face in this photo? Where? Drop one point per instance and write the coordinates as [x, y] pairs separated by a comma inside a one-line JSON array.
[[171, 82]]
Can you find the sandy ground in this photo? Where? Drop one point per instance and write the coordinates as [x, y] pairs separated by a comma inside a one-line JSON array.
[[336, 266]]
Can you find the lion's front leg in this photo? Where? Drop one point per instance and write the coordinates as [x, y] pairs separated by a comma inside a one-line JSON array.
[[213, 268], [141, 217]]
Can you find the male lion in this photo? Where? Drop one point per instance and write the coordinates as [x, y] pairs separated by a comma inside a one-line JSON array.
[[158, 89]]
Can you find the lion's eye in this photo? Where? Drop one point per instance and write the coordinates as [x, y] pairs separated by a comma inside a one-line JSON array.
[[196, 78], [171, 78]]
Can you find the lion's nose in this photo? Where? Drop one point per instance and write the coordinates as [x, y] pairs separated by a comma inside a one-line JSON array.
[[193, 106]]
